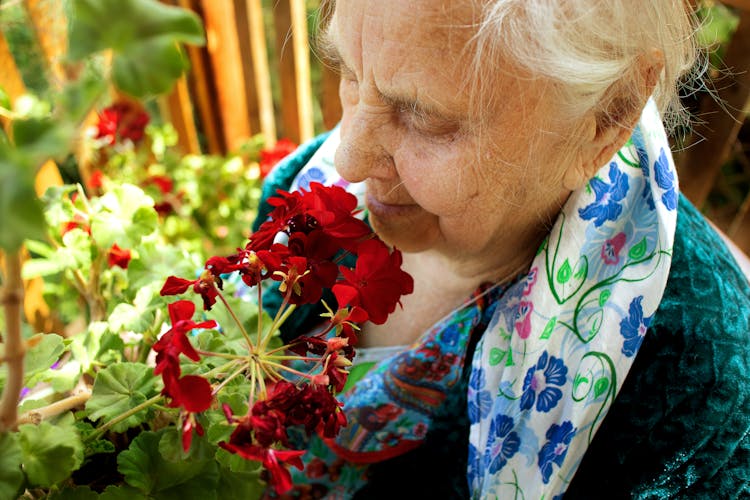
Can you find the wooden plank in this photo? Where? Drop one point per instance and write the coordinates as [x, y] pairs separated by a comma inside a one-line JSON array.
[[203, 90], [10, 78], [301, 44], [723, 114], [50, 30], [245, 61], [178, 109], [224, 51], [740, 4], [261, 71], [330, 103], [282, 21], [293, 52], [328, 95]]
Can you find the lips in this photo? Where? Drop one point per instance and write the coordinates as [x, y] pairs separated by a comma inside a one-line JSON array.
[[385, 209]]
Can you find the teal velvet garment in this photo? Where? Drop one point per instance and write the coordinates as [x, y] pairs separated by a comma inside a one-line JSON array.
[[680, 426]]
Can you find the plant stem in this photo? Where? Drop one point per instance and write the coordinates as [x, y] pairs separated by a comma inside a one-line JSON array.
[[236, 373], [237, 320], [101, 430], [279, 320], [12, 299], [54, 409]]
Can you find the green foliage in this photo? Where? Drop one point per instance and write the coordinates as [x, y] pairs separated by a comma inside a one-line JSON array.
[[50, 452], [11, 476], [144, 37], [119, 388]]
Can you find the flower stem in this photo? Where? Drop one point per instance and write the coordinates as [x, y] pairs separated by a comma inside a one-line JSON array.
[[12, 299], [101, 430], [54, 409], [236, 373], [279, 320], [220, 354], [236, 320]]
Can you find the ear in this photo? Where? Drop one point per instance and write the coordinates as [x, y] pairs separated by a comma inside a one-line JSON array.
[[605, 129]]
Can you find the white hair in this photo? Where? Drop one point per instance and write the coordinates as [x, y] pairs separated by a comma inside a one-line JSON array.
[[586, 47]]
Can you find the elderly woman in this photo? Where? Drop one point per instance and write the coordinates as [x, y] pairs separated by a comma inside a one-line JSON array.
[[576, 327]]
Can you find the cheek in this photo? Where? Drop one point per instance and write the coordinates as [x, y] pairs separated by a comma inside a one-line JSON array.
[[440, 178]]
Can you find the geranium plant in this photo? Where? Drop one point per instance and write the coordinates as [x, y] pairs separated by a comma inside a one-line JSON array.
[[163, 375]]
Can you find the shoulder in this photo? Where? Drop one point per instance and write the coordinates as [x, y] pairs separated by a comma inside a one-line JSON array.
[[680, 426]]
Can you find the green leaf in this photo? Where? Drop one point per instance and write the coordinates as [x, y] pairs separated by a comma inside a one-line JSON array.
[[638, 250], [135, 73], [39, 248], [41, 138], [45, 350], [124, 215], [578, 380], [603, 297], [42, 267], [600, 387], [97, 345], [5, 99], [548, 328], [21, 215], [245, 485], [119, 388], [50, 452], [144, 36], [11, 476], [143, 467], [129, 317], [496, 356], [78, 493], [564, 273], [121, 493]]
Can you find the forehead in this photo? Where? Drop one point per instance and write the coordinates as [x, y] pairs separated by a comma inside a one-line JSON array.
[[405, 42]]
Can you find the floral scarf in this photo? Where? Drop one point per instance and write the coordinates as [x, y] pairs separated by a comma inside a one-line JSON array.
[[547, 353]]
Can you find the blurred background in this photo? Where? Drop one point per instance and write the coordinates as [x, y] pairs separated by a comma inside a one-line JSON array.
[[257, 80]]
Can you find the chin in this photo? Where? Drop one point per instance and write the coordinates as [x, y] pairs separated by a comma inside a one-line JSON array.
[[409, 238]]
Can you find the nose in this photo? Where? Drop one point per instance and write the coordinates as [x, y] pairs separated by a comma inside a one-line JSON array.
[[362, 152]]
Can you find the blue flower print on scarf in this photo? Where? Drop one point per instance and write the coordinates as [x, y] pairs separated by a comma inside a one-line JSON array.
[[503, 443], [313, 174], [474, 468], [643, 161], [540, 381], [608, 197], [480, 401], [556, 447], [665, 179], [633, 327]]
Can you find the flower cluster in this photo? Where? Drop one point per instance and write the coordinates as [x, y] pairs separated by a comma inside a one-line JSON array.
[[301, 247], [123, 120]]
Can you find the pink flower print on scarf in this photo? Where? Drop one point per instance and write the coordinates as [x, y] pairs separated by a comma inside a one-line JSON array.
[[611, 249]]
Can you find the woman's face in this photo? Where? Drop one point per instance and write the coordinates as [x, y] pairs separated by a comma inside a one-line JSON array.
[[435, 179]]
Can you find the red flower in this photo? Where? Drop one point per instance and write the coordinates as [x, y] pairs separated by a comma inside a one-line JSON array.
[[118, 256], [162, 182], [205, 286], [192, 393], [122, 120], [272, 156], [376, 284], [272, 461], [189, 424], [175, 342], [96, 180]]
